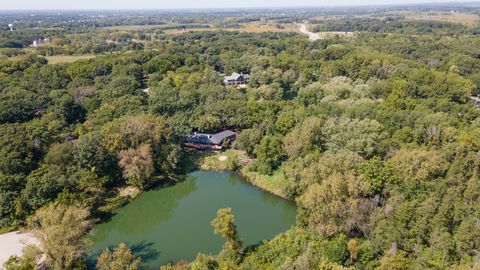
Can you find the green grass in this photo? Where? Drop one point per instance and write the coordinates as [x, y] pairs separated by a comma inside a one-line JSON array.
[[7, 229], [213, 162], [276, 183], [113, 203], [55, 59]]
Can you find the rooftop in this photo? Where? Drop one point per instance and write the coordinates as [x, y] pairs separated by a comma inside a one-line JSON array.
[[235, 76], [205, 138]]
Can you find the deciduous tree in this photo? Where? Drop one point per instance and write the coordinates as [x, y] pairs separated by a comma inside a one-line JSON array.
[[224, 226], [119, 259], [60, 230]]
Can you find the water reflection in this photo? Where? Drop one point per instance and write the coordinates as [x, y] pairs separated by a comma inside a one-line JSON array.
[[173, 223], [151, 208]]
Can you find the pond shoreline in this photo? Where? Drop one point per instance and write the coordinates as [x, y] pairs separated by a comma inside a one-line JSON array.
[[151, 224], [221, 165], [251, 181]]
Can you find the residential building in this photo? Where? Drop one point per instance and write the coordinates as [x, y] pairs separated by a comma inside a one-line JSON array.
[[204, 141], [236, 79]]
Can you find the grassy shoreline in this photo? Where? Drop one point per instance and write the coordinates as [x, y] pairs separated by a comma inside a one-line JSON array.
[[275, 184]]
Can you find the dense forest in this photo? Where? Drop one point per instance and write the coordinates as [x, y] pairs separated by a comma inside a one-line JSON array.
[[373, 136]]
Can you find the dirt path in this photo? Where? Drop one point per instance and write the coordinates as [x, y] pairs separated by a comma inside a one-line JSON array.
[[312, 36], [11, 244]]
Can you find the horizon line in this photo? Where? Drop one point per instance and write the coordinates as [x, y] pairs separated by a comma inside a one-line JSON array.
[[404, 4]]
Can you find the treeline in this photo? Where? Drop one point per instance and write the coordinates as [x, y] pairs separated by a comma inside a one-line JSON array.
[[74, 20], [25, 38], [394, 25], [377, 147], [68, 43]]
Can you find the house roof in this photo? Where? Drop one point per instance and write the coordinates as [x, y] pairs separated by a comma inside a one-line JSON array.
[[219, 137], [210, 138], [235, 76]]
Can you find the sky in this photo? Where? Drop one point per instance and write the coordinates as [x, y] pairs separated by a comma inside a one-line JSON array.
[[174, 4]]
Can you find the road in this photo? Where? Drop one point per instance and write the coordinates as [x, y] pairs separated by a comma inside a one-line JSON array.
[[312, 36]]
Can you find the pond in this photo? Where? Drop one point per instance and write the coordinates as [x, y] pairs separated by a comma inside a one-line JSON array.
[[173, 224]]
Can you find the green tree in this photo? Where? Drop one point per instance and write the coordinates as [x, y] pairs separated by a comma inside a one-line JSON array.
[[338, 204], [270, 153], [394, 261], [19, 105], [43, 185], [304, 139], [248, 140], [360, 136], [60, 230], [10, 192], [377, 174], [204, 262], [130, 132], [224, 225], [120, 86], [91, 155], [16, 154], [60, 154], [120, 259], [64, 107], [28, 261]]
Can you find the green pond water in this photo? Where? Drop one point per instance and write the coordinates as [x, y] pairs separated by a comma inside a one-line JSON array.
[[172, 224]]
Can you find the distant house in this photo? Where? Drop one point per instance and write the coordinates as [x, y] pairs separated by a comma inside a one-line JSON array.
[[40, 42], [204, 141], [236, 79]]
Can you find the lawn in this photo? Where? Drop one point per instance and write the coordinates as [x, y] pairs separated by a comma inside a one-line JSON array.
[[253, 27], [55, 59], [276, 183], [452, 17], [134, 27]]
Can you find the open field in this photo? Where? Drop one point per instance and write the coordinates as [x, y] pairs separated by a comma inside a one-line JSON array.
[[323, 35], [452, 17], [134, 27], [190, 30], [258, 27], [55, 59], [255, 27], [262, 28], [166, 26]]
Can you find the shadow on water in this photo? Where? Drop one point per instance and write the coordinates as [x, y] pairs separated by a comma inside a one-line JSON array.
[[190, 161], [119, 202], [152, 208], [252, 248], [145, 251], [106, 216], [158, 225]]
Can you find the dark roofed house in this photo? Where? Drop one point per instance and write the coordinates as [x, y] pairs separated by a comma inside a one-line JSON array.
[[236, 79], [203, 141]]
